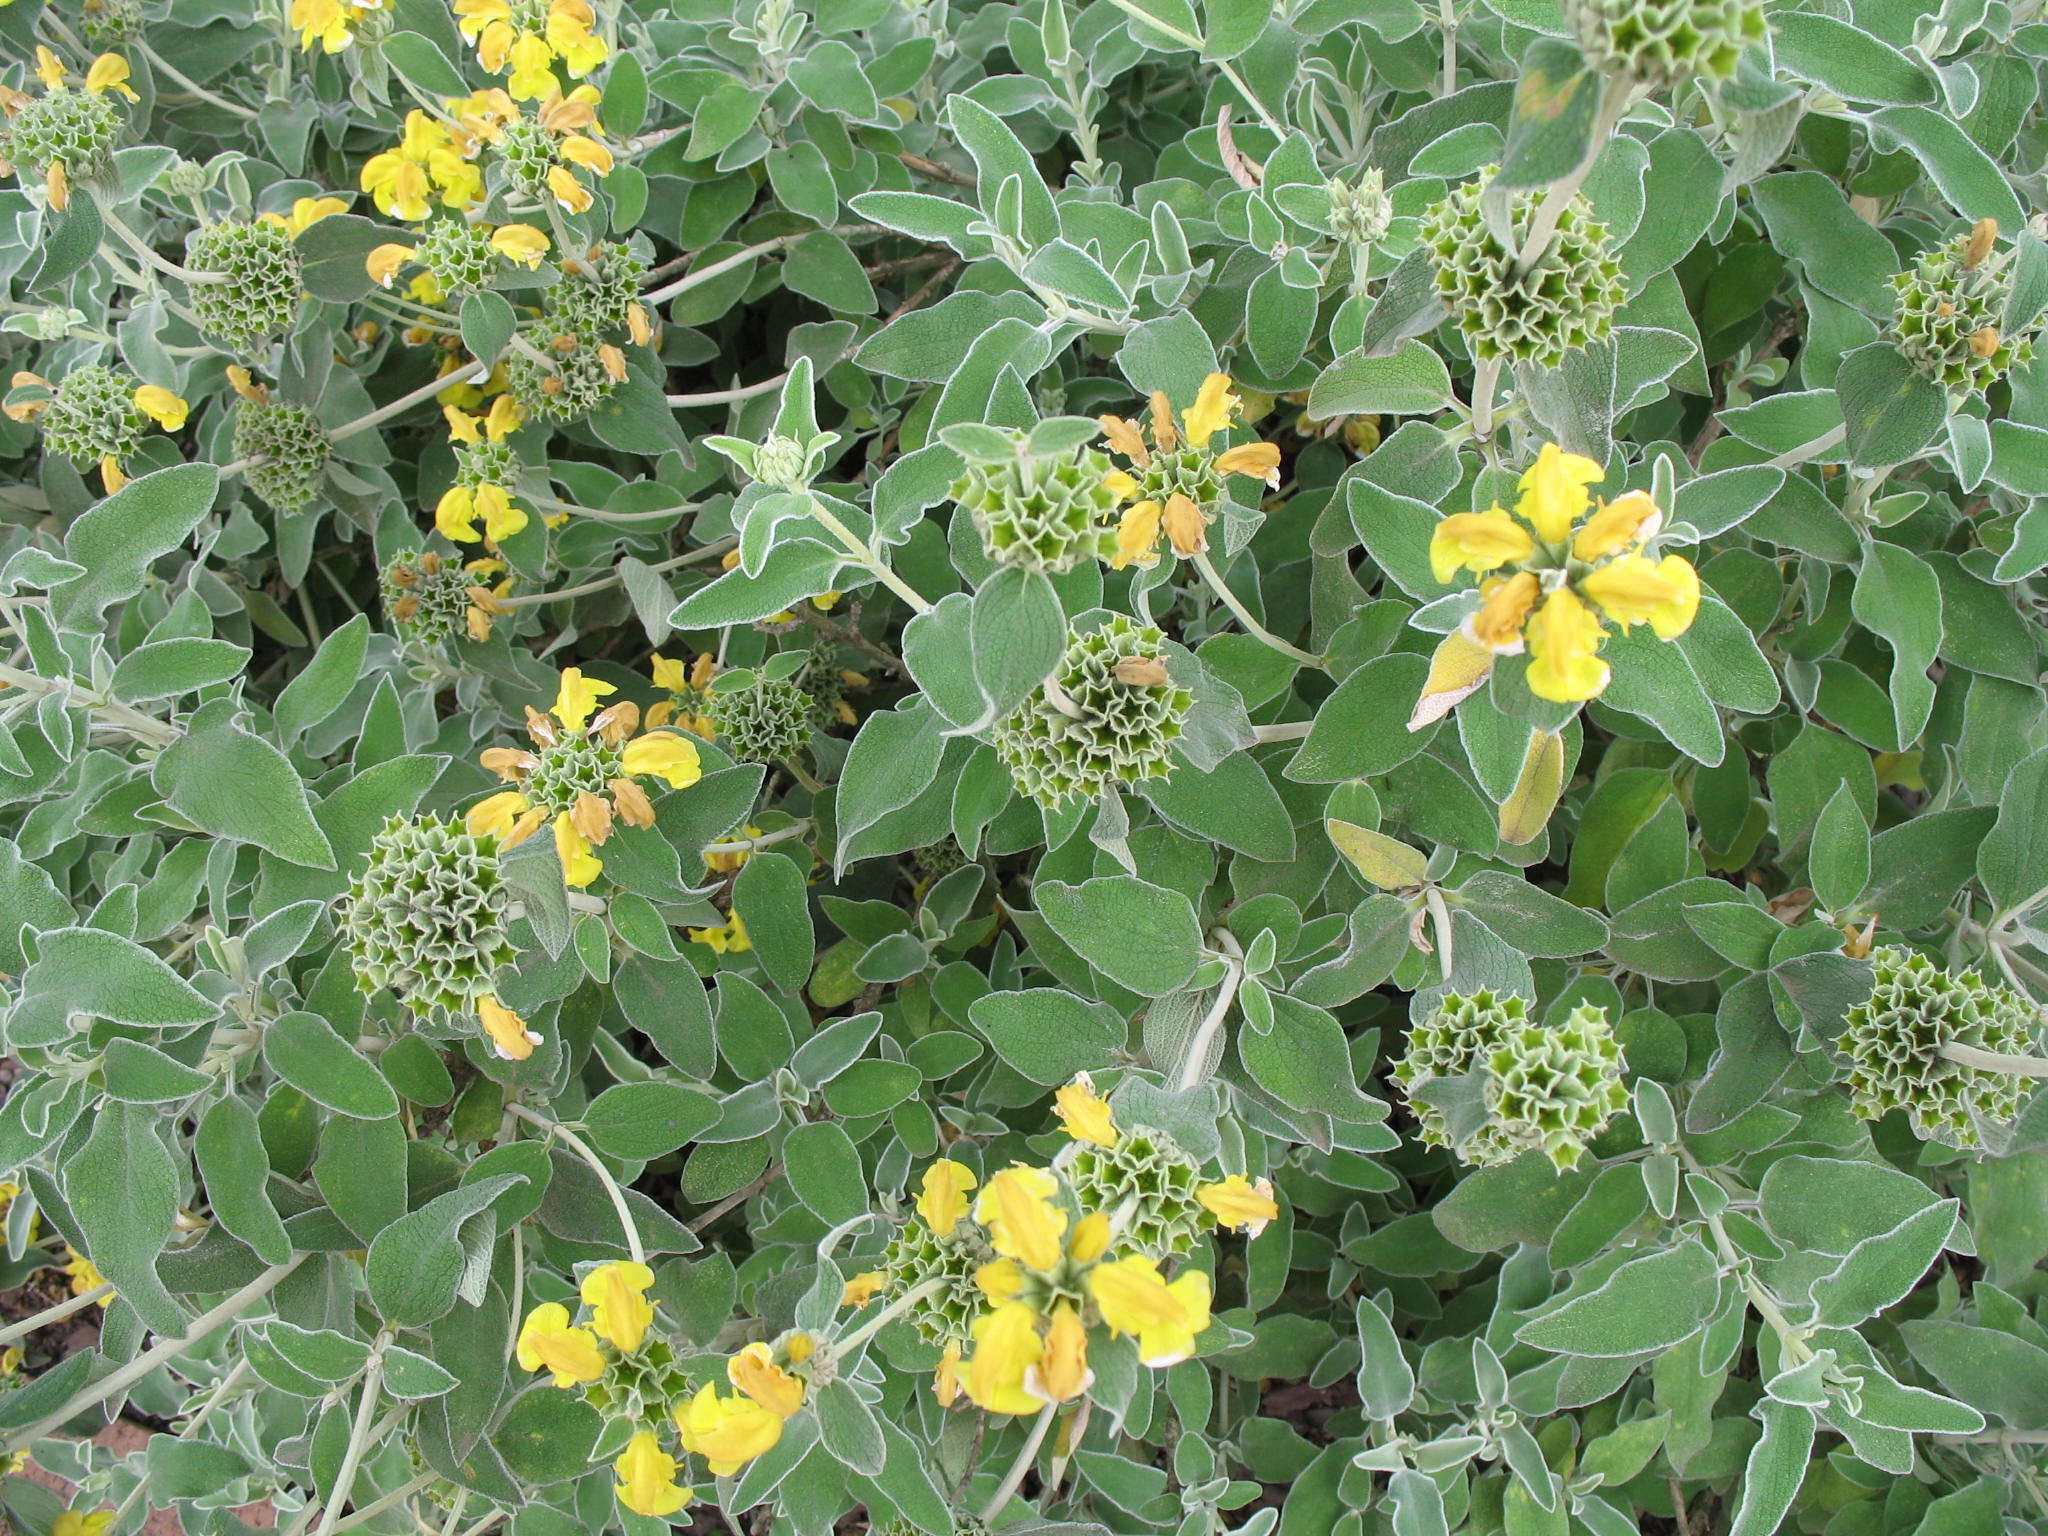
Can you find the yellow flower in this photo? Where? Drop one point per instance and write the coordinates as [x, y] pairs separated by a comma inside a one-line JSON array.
[[726, 863], [1062, 1373], [161, 406], [579, 865], [1006, 1349], [863, 1288], [547, 1341], [647, 1478], [1127, 440], [1084, 1116], [1241, 1204], [1024, 1224], [754, 1371], [568, 191], [112, 475], [1000, 1280], [460, 506], [1665, 594], [1618, 525], [1090, 1238], [531, 63], [397, 185], [730, 940], [57, 185], [84, 1276], [383, 263], [521, 243], [495, 814], [619, 1309], [580, 149], [728, 1432], [942, 1198], [569, 34], [1477, 541], [669, 672], [1503, 611], [577, 697], [1187, 529], [1554, 494], [1137, 534], [109, 72], [75, 1522], [671, 758], [1133, 1298], [1564, 642], [1260, 460], [49, 68], [510, 1037], [946, 1375], [321, 21], [1120, 485], [1214, 406], [306, 211]]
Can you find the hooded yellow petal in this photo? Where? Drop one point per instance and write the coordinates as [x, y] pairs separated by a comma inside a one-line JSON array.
[[671, 758], [1554, 494], [1564, 643], [619, 1309], [1212, 411], [942, 1199], [1477, 541]]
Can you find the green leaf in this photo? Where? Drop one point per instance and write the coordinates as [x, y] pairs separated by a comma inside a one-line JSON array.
[[643, 1121], [1551, 123], [1411, 382], [772, 899], [1985, 1368], [122, 1187], [316, 692], [1140, 935], [1828, 1205], [1529, 918], [236, 1169], [547, 1435], [1898, 597], [1048, 1034], [1882, 1270], [117, 541], [1967, 177], [1776, 1468], [999, 156], [1386, 862], [2013, 858], [1648, 1304], [304, 1050], [848, 1429], [822, 266], [87, 973], [417, 1264], [164, 669], [1349, 738], [893, 760], [1234, 804], [1893, 412], [824, 1171], [333, 252], [1017, 634], [1839, 862], [1847, 60], [238, 786]]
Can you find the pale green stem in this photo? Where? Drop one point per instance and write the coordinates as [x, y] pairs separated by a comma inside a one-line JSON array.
[[1485, 385], [1440, 920], [1057, 1472], [577, 1145], [1791, 1341], [550, 504], [178, 76], [866, 557], [141, 247], [358, 1442], [117, 1383], [1015, 1477], [55, 1314], [1286, 730], [717, 268], [390, 1500], [406, 402], [1252, 626], [1994, 1061], [1809, 450], [1193, 1067], [1614, 105], [765, 840], [729, 396], [121, 716], [888, 1314], [535, 599]]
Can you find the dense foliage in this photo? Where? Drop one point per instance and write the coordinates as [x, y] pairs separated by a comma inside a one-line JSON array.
[[931, 766]]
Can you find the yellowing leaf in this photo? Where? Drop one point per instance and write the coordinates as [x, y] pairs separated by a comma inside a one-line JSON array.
[[1388, 863]]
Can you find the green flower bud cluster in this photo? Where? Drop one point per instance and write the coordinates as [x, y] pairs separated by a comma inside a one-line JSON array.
[[1048, 512], [426, 917], [1894, 1043], [426, 596], [1663, 42], [1548, 1088], [578, 764], [526, 150], [935, 861], [487, 463], [260, 298], [595, 305], [1086, 730], [917, 1255], [1361, 211], [565, 387], [1563, 303], [822, 684], [782, 461], [92, 415], [79, 128], [765, 721], [287, 450], [112, 24], [640, 1387], [1149, 1188], [458, 255], [1949, 318]]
